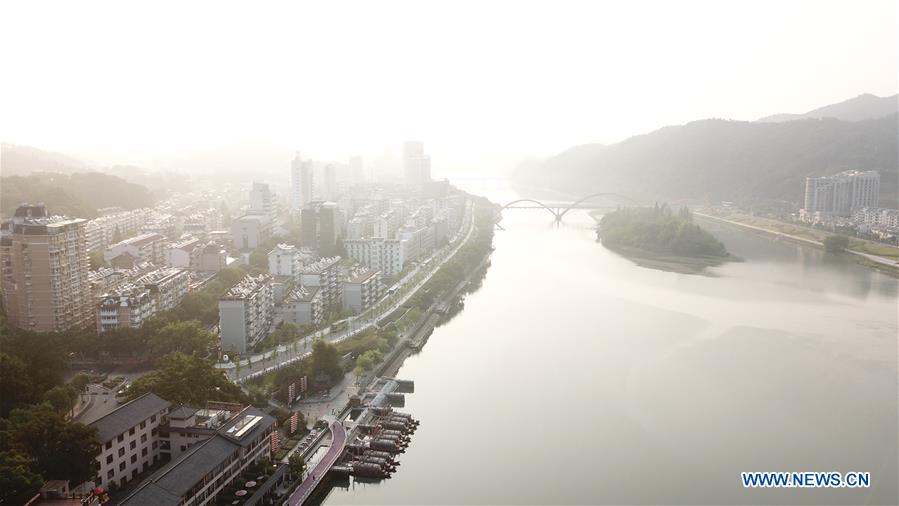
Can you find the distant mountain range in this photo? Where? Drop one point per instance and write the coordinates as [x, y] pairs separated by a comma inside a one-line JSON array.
[[862, 107], [17, 160], [714, 159]]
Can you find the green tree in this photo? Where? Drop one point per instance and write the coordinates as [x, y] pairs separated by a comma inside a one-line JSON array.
[[187, 379], [15, 387], [61, 397], [18, 481], [325, 361], [297, 465], [96, 260], [189, 337], [835, 243], [61, 449]]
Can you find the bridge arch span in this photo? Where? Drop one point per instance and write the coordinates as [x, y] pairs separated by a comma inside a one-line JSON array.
[[530, 201]]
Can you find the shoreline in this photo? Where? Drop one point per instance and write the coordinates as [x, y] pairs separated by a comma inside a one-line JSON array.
[[671, 263], [881, 264]]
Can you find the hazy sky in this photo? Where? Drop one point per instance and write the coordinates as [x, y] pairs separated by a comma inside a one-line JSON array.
[[481, 83]]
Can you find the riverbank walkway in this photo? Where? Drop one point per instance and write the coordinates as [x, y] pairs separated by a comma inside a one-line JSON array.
[[314, 477]]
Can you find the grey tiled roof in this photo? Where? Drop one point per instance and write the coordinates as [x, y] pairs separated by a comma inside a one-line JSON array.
[[153, 495], [182, 413], [198, 461], [128, 415]]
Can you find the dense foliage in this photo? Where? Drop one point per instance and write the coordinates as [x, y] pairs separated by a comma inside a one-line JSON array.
[[39, 443], [834, 243], [657, 230], [77, 195], [187, 379]]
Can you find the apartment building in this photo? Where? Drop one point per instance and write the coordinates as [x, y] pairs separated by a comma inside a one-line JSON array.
[[213, 258], [361, 290], [246, 313], [168, 286], [46, 287], [841, 193], [132, 303], [199, 474], [249, 231], [129, 439], [129, 306], [285, 260], [323, 274], [378, 253], [185, 253], [148, 247], [304, 306], [101, 232]]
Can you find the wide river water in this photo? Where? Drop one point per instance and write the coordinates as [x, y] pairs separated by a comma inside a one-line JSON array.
[[574, 376]]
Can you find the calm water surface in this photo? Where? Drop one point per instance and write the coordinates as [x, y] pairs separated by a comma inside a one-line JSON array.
[[574, 376]]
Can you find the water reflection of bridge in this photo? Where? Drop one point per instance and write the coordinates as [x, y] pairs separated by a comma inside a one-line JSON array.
[[560, 209]]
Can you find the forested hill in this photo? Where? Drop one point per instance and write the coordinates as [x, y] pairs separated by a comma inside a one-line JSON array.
[[77, 195], [713, 160]]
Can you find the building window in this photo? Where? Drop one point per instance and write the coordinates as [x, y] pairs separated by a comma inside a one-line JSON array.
[[122, 466], [121, 452], [109, 459], [152, 418], [143, 438], [132, 445], [110, 474], [154, 445], [108, 445], [143, 452], [133, 459], [131, 432], [121, 438], [143, 425]]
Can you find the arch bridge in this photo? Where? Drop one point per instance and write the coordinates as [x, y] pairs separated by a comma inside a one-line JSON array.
[[560, 209]]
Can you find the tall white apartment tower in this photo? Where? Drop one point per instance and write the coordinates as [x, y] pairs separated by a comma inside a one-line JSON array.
[[300, 182], [416, 165]]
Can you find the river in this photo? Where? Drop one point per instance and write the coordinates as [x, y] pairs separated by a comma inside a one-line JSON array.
[[574, 376]]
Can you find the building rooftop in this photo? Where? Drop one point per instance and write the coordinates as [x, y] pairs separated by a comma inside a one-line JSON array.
[[168, 485], [320, 265], [160, 275], [127, 416], [360, 275], [182, 413], [247, 286], [302, 294], [139, 240]]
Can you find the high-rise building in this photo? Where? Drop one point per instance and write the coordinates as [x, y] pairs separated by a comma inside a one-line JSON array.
[[46, 287], [320, 227], [261, 201], [416, 165], [330, 183], [841, 193], [357, 168], [300, 182]]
